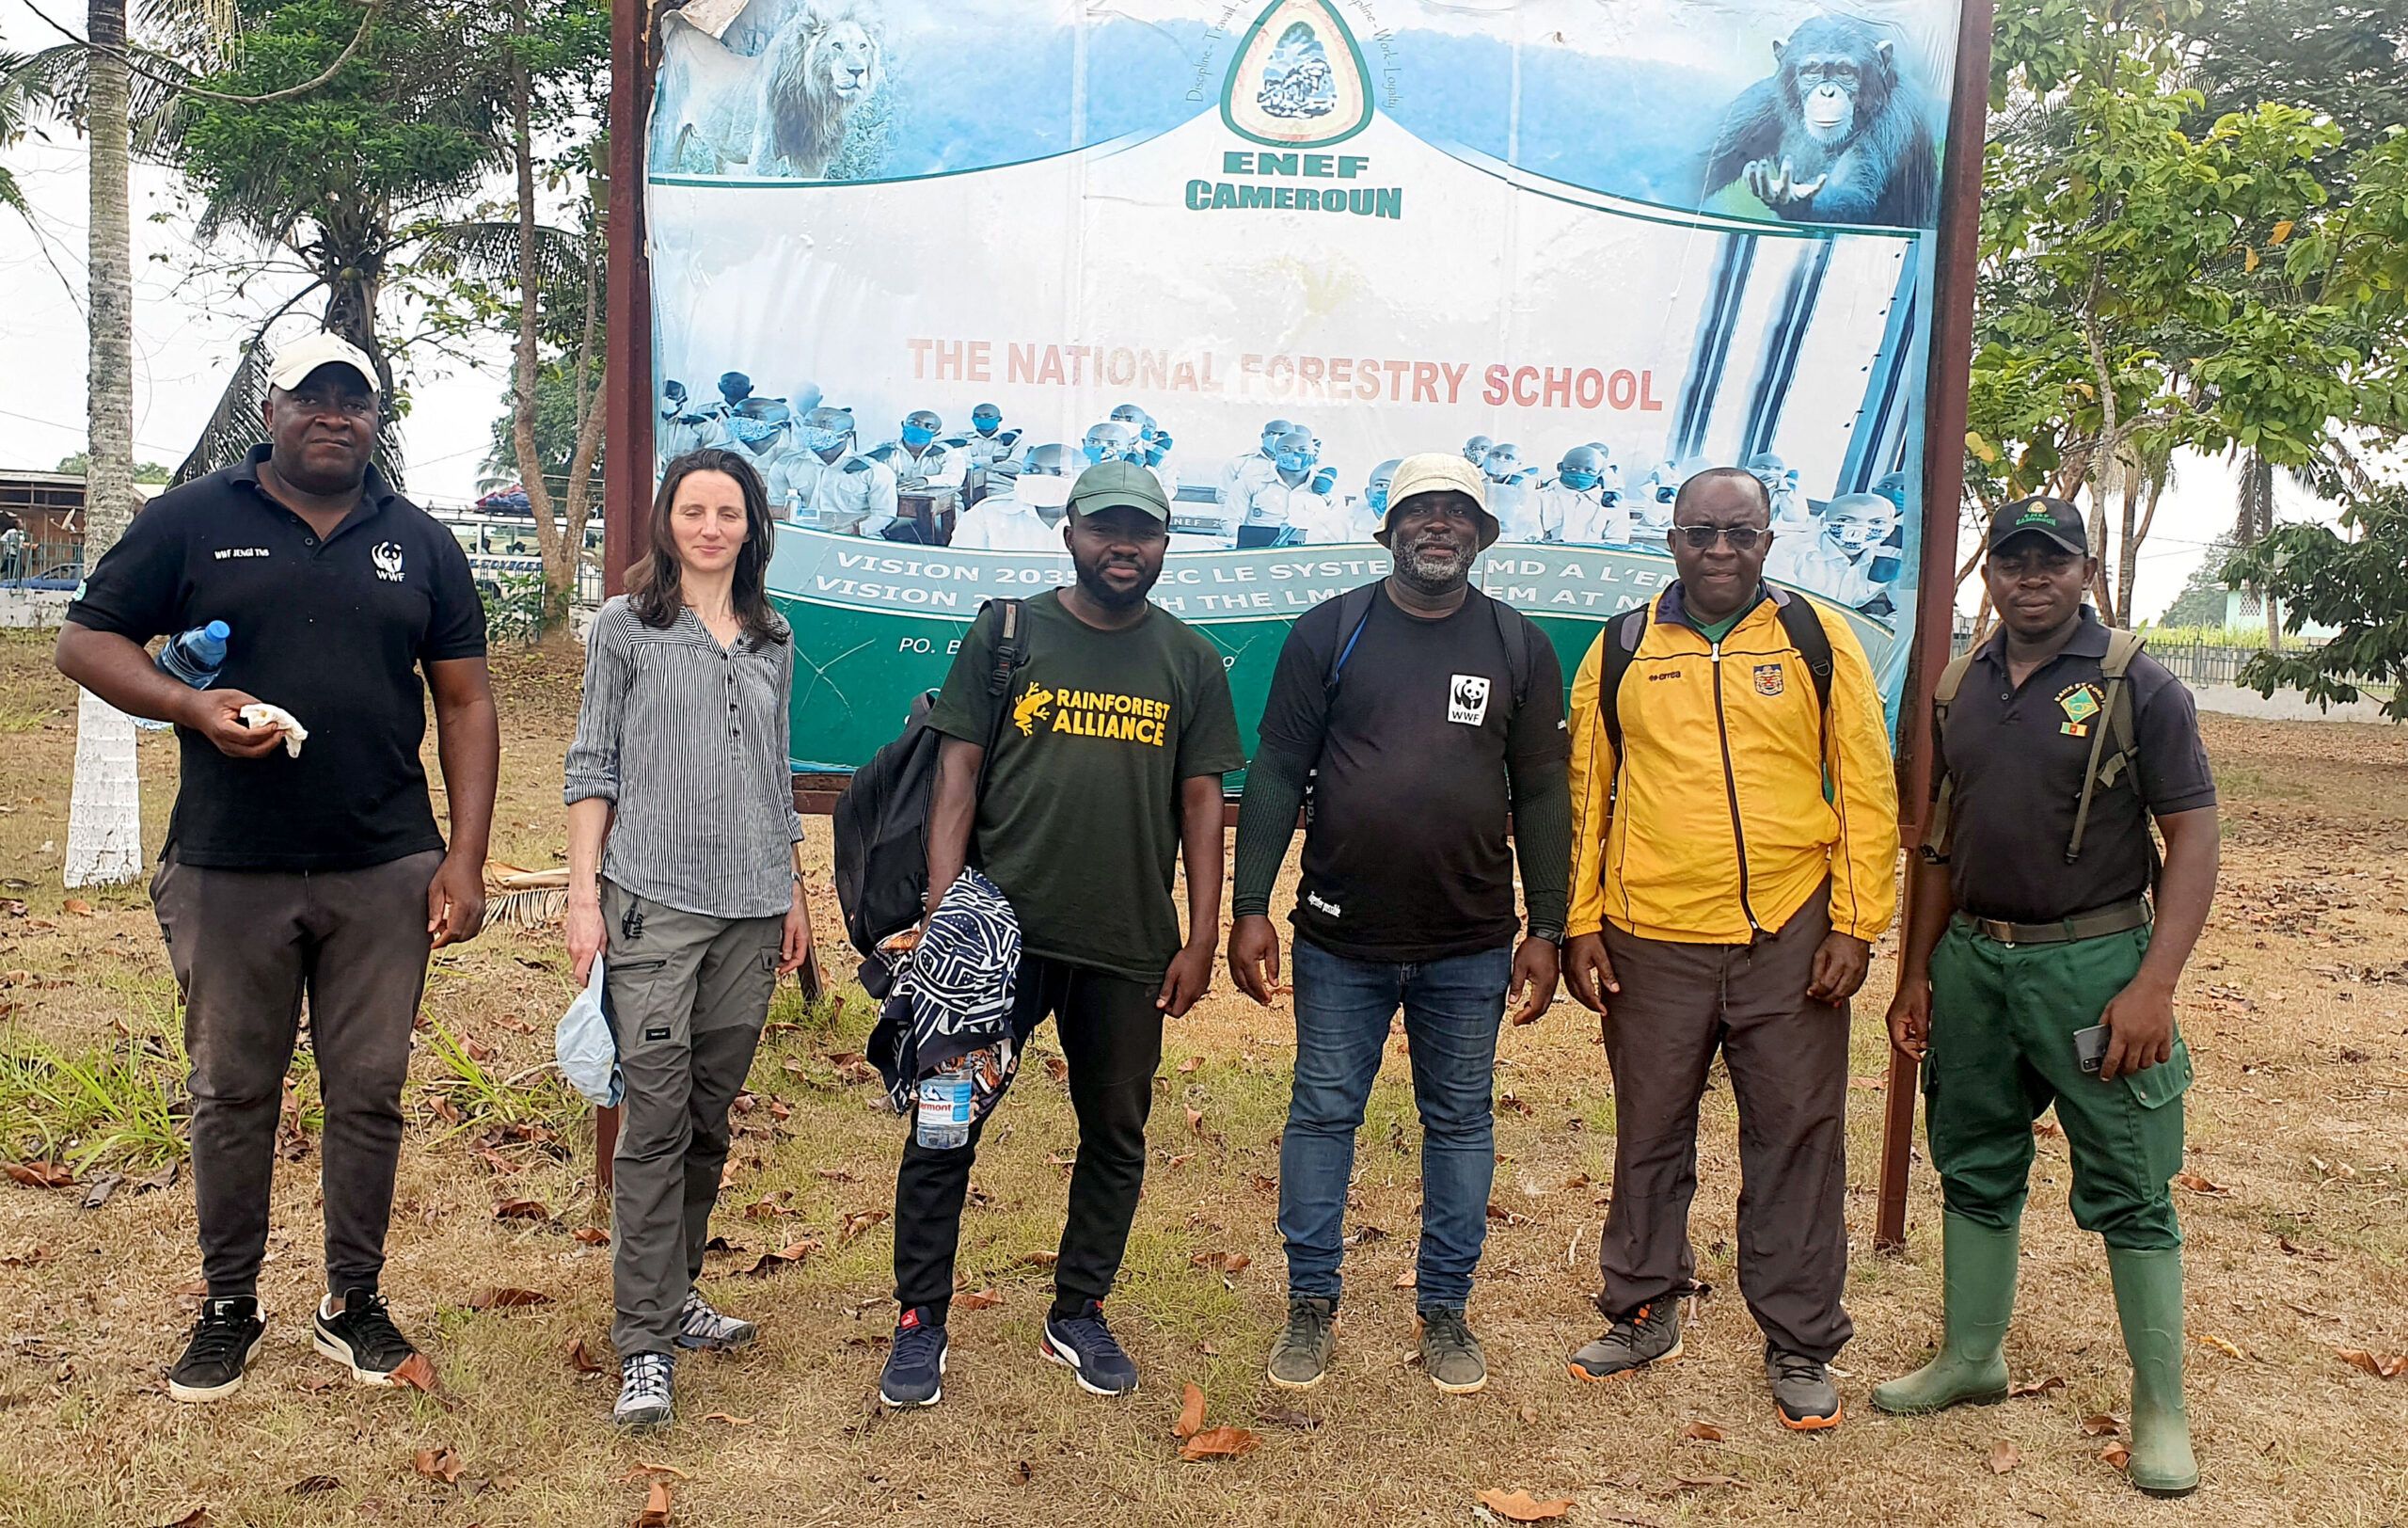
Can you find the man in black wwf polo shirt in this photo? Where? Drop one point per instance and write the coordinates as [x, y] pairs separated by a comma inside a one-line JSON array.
[[318, 874], [2040, 962]]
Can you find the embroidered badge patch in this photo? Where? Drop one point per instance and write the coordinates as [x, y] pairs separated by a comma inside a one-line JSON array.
[[1770, 679], [2080, 702], [2073, 729]]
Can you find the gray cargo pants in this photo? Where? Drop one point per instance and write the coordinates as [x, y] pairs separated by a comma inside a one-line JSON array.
[[246, 945], [1788, 1061], [688, 995]]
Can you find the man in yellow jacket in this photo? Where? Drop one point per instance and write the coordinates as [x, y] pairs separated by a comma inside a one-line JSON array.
[[1734, 842]]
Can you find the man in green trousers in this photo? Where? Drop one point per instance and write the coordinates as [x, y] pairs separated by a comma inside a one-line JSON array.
[[2042, 950]]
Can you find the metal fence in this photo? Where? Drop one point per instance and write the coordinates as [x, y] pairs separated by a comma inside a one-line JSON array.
[[2195, 663]]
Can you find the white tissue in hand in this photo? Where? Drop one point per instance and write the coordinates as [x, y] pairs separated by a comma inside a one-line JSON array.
[[260, 715]]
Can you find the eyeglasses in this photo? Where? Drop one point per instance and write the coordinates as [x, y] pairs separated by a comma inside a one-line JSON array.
[[1743, 538]]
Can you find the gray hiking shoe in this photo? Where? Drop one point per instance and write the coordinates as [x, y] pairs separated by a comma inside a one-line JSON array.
[[1450, 1354], [700, 1326], [1650, 1334], [1802, 1391], [644, 1384], [1300, 1358]]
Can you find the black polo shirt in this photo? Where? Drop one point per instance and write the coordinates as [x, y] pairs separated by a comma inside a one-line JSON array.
[[2018, 757], [333, 632]]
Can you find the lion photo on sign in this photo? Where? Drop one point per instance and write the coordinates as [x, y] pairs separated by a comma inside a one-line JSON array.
[[779, 114]]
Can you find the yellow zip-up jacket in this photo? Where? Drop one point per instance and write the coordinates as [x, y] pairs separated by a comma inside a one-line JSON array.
[[1713, 826]]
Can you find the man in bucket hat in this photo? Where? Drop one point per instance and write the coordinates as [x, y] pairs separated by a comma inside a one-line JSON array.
[[1430, 719]]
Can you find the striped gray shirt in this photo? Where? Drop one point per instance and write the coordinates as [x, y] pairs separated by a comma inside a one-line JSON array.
[[689, 740]]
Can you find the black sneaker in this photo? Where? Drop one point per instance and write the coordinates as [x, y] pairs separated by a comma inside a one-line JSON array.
[[223, 1343], [1802, 1391], [362, 1337], [914, 1373], [1650, 1334], [1086, 1346]]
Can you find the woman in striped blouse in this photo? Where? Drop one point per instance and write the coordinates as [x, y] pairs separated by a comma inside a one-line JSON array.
[[685, 877]]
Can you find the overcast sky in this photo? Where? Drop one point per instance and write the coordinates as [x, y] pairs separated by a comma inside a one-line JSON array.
[[188, 324]]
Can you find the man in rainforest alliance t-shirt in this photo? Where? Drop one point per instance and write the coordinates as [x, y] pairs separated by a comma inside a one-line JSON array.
[[1107, 766]]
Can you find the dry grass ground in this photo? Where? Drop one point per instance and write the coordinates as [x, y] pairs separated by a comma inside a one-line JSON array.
[[2295, 1013]]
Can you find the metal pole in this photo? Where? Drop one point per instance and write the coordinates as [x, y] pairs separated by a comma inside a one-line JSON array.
[[628, 391], [1943, 487]]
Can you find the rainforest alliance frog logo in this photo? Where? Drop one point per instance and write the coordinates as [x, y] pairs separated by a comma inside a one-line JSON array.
[[1298, 80]]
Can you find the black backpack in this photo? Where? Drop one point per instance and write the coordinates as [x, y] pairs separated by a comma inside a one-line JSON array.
[[882, 820]]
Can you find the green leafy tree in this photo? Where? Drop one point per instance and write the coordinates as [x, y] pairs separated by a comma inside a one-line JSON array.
[[342, 178], [81, 463], [2157, 281], [2201, 603], [2348, 579]]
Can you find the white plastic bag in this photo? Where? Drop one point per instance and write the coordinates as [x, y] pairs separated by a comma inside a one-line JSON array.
[[589, 1055]]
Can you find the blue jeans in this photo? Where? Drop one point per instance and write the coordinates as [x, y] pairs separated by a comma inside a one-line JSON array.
[[1451, 1011]]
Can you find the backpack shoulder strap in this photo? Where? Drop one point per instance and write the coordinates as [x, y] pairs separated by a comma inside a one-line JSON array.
[[1011, 651], [1813, 643], [1513, 630], [2106, 768], [1624, 634], [1353, 613], [1935, 836]]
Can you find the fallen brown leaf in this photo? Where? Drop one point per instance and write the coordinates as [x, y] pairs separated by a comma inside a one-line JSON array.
[[1040, 1259], [77, 906], [441, 1464], [733, 1421], [1282, 1417], [1195, 1119], [1405, 1280], [1191, 1412], [313, 1485], [592, 1236], [1222, 1262], [581, 1361], [1702, 1432], [771, 1262], [1058, 1069], [1518, 1507], [2101, 1424], [521, 1209], [978, 1299], [2208, 1339], [418, 1373], [1190, 1064], [2116, 1455], [1223, 1442], [2198, 1185], [2036, 1387], [2381, 1365], [2003, 1457], [42, 1175], [859, 1221], [197, 1517], [656, 1507], [2314, 1254], [97, 1193], [1019, 1474], [496, 1298]]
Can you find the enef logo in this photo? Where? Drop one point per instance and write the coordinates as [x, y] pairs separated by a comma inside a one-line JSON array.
[[1298, 80]]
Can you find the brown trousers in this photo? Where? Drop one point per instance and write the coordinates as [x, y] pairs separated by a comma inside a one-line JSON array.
[[1787, 1058]]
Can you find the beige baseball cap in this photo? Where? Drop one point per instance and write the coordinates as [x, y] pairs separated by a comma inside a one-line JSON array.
[[1440, 471], [305, 355]]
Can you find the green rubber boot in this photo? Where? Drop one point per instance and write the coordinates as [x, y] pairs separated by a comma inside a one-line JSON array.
[[1978, 1297], [2148, 1300]]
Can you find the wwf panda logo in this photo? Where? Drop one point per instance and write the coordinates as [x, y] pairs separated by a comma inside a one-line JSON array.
[[1467, 699], [387, 558]]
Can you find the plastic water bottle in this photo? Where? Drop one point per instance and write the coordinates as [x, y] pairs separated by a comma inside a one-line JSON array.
[[944, 1104], [196, 657]]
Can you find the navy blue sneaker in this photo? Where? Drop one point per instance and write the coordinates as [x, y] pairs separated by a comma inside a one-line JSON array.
[[914, 1373], [1084, 1346]]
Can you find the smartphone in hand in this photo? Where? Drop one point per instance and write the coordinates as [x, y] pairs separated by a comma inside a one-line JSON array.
[[2090, 1047]]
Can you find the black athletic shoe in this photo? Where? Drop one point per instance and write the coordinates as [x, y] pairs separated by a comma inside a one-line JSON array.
[[1086, 1346], [223, 1343], [362, 1337], [914, 1373]]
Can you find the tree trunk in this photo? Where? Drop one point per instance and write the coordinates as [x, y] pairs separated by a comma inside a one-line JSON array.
[[2256, 517], [105, 811], [560, 562]]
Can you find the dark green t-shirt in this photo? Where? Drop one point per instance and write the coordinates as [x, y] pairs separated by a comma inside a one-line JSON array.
[[1079, 824]]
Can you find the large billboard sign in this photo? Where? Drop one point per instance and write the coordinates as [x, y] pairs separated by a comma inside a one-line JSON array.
[[924, 259]]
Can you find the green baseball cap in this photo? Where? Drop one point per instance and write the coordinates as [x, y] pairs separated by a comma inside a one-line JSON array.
[[1117, 483], [2054, 519]]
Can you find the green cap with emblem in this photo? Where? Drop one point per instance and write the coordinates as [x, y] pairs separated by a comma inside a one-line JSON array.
[[2054, 519]]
